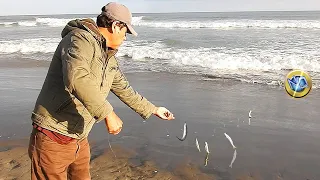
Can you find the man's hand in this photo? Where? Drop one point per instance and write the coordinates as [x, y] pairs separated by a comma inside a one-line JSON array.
[[163, 113], [113, 123]]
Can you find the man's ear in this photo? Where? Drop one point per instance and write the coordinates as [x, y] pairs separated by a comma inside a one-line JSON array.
[[115, 28]]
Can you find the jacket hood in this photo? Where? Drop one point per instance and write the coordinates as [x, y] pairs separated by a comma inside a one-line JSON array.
[[84, 24]]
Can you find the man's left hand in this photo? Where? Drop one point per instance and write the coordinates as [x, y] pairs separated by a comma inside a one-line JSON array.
[[163, 113]]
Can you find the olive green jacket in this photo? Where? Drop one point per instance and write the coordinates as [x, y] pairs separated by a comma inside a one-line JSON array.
[[81, 74]]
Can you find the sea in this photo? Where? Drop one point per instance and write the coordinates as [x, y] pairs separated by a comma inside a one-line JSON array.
[[250, 47], [196, 57]]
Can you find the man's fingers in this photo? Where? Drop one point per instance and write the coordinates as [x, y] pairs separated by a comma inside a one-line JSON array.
[[168, 115], [115, 132]]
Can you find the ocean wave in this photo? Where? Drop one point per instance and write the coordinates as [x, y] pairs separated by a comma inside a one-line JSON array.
[[232, 24], [52, 22], [213, 24], [27, 23], [29, 46], [220, 58], [8, 24], [217, 58]]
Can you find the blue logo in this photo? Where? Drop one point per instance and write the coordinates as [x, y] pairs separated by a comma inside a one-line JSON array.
[[298, 83]]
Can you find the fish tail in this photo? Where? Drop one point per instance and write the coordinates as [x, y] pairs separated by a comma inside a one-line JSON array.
[[179, 138]]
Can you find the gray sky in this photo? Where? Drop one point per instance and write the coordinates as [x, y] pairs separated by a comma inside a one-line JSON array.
[[15, 7]]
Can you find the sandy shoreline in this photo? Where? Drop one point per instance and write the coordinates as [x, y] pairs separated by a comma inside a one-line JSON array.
[[278, 144], [15, 164]]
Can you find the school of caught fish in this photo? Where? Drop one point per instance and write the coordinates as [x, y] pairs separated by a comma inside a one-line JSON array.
[[184, 136], [206, 147]]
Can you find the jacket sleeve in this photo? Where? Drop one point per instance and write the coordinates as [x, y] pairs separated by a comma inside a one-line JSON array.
[[77, 76], [121, 88]]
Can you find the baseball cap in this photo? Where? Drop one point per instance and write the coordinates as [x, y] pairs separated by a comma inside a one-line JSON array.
[[121, 13]]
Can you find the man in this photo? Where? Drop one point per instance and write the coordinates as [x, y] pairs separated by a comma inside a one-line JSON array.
[[73, 97]]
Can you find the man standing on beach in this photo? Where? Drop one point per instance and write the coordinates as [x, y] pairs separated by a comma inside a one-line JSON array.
[[73, 97]]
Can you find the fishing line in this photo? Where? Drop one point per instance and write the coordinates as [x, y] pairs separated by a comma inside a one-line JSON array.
[[115, 156]]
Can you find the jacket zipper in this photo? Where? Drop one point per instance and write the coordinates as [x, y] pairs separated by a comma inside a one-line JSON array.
[[104, 70]]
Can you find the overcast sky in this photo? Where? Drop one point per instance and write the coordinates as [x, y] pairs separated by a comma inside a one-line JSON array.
[[21, 7]]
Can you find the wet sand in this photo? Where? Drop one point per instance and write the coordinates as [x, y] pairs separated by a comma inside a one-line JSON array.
[[281, 141]]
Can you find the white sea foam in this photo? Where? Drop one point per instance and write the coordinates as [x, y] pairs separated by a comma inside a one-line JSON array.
[[212, 24], [232, 23], [29, 46], [137, 19], [218, 58], [226, 59], [27, 23], [7, 24], [52, 22]]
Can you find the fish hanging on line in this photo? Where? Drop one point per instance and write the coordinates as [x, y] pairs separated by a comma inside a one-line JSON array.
[[167, 133], [185, 131], [197, 144], [230, 140], [233, 158], [249, 117], [206, 159], [206, 147]]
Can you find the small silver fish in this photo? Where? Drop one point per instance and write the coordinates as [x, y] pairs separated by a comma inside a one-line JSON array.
[[206, 159], [206, 147], [185, 131], [233, 158], [230, 140], [250, 114], [197, 144], [167, 133]]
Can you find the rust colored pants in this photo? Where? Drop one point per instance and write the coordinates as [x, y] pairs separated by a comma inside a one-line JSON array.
[[53, 161]]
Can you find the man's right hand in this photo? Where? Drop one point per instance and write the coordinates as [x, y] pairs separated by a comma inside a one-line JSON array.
[[113, 123]]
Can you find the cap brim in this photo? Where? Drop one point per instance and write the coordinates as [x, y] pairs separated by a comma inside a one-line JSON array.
[[131, 30]]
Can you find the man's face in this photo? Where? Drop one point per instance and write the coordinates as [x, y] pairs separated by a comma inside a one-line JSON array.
[[119, 31]]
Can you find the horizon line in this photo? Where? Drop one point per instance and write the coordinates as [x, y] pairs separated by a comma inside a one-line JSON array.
[[173, 12]]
